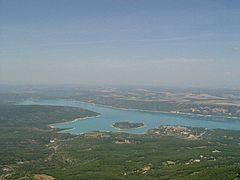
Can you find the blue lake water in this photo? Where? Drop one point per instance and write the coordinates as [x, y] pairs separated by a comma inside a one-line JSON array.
[[150, 119]]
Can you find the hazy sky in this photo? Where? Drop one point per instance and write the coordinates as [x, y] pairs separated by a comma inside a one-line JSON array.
[[140, 42]]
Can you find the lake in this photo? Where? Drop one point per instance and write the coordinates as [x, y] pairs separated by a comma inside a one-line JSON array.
[[150, 119]]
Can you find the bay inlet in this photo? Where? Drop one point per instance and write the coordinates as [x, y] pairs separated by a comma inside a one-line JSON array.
[[151, 120]]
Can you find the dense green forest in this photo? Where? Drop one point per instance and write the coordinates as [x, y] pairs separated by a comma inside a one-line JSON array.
[[30, 150], [24, 133]]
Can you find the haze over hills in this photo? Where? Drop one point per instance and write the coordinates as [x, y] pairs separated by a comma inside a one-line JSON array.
[[47, 134], [119, 89]]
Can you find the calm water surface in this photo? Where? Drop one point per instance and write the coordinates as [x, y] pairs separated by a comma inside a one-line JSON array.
[[150, 119]]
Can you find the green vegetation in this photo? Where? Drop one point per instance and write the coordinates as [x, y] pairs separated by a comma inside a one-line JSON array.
[[24, 133], [218, 102], [213, 156], [203, 108], [205, 102], [29, 147], [145, 157], [29, 116], [127, 125]]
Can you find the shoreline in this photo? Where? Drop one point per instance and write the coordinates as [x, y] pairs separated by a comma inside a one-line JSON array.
[[164, 112], [80, 119], [144, 110], [127, 128], [52, 126], [66, 130]]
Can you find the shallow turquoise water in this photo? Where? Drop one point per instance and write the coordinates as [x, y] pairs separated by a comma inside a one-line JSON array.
[[150, 119]]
